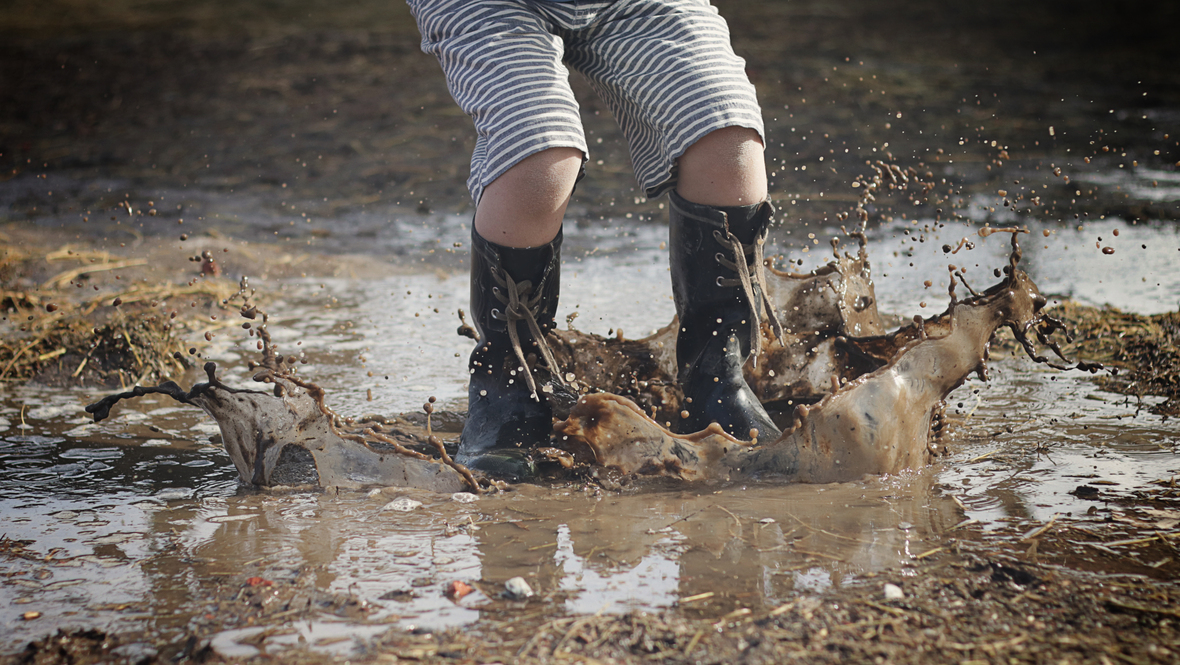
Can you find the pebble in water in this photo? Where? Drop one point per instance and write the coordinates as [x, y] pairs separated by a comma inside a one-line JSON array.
[[517, 588]]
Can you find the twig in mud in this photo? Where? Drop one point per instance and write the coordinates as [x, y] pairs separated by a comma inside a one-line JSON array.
[[1134, 607], [885, 608], [783, 609], [1098, 546], [826, 533], [578, 625], [1037, 532], [990, 647], [929, 553], [1140, 541], [821, 555], [736, 521], [20, 353], [736, 614], [523, 652], [693, 642], [62, 279], [982, 457]]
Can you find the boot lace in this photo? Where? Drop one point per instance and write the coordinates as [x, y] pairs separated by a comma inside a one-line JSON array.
[[745, 256], [519, 306]]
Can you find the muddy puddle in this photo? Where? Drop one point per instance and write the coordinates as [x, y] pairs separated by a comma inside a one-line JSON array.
[[137, 522]]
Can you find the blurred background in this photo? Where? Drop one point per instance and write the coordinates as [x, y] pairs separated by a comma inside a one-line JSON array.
[[333, 104]]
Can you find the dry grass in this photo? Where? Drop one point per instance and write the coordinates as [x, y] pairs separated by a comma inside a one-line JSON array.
[[65, 330], [1142, 350]]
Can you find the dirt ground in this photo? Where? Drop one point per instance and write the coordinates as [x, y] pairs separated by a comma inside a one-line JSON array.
[[315, 111]]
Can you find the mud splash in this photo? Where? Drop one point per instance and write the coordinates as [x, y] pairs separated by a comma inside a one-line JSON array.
[[818, 308], [290, 436], [876, 400], [879, 422]]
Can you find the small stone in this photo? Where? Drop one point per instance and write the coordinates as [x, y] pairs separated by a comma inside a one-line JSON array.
[[402, 504], [517, 589], [893, 592]]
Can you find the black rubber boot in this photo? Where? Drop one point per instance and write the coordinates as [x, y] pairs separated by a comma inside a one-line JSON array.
[[715, 254], [513, 295]]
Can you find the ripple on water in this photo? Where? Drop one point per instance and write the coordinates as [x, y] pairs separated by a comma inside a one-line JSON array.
[[1022, 443]]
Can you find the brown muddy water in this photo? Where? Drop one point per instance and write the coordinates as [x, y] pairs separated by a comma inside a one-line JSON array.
[[137, 519]]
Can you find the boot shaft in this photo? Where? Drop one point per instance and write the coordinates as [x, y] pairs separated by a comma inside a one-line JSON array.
[[536, 273], [709, 297]]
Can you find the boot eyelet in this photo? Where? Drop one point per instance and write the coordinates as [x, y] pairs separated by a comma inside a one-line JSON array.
[[719, 280], [718, 257], [497, 315]]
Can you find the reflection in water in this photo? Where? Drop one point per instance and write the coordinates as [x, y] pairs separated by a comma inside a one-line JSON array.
[[150, 564], [148, 531], [145, 522]]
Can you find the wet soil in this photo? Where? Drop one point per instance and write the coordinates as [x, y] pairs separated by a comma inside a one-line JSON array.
[[320, 147]]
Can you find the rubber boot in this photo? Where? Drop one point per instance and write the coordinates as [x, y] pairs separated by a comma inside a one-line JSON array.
[[506, 415], [719, 304]]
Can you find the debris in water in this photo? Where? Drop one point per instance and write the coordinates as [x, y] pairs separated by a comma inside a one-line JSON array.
[[402, 504], [893, 592], [517, 589], [858, 401], [457, 589]]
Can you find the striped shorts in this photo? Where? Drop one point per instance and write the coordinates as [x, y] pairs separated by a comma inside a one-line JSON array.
[[665, 68]]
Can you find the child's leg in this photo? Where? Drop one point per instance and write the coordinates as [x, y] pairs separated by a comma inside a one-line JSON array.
[[524, 206], [724, 168], [693, 122], [503, 67]]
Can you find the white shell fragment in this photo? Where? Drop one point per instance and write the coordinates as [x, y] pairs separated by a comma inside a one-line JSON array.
[[893, 592], [517, 588], [402, 504], [464, 497]]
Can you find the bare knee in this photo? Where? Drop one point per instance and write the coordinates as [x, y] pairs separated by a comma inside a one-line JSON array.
[[724, 168], [524, 206]]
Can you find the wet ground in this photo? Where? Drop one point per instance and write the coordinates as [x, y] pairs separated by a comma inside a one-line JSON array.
[[320, 156]]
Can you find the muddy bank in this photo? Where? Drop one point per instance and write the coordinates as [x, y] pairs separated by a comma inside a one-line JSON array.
[[1143, 347], [90, 314], [325, 113]]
